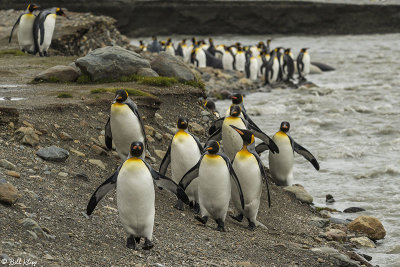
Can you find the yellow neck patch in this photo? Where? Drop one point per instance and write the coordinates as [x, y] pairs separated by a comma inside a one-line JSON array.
[[244, 153], [211, 156], [281, 134]]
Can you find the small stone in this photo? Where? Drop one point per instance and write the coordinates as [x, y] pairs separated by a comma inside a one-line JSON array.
[[53, 153], [204, 113], [329, 198], [149, 130], [6, 164], [344, 259], [300, 193], [56, 126], [158, 117], [363, 241], [353, 210], [98, 163], [28, 124], [336, 235], [102, 141], [159, 153], [8, 193], [82, 176], [63, 174], [65, 137], [167, 136], [325, 214], [78, 153], [244, 264], [48, 257], [13, 174], [33, 234], [205, 118], [339, 221], [196, 128], [99, 150], [83, 123], [158, 136], [3, 181], [319, 222], [368, 225]]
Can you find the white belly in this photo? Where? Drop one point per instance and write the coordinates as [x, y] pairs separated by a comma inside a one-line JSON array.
[[306, 62], [227, 61], [186, 53], [275, 69], [49, 25], [25, 32], [281, 164], [201, 57], [249, 175], [135, 199], [184, 155], [170, 50], [231, 139], [253, 69], [214, 187], [125, 128], [240, 61]]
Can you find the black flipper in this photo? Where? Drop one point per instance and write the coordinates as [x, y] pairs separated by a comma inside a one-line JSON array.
[[299, 63], [216, 125], [261, 135], [166, 160], [260, 148], [191, 174], [166, 183], [263, 174], [102, 190], [197, 142], [234, 177], [15, 25], [305, 153], [108, 135], [217, 135]]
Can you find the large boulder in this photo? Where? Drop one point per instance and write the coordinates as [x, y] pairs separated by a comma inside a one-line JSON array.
[[170, 66], [369, 226], [300, 193], [59, 73], [111, 62]]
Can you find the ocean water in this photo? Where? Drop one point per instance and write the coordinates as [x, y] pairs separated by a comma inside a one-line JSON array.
[[351, 124]]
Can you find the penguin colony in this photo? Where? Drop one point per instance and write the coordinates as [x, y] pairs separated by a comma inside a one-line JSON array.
[[204, 177], [35, 32], [256, 61]]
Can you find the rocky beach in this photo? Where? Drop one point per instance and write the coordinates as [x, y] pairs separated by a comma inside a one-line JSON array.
[[53, 157]]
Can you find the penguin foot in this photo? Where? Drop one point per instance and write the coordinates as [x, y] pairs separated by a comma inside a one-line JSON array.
[[179, 205], [41, 54], [45, 53], [221, 225], [196, 208], [203, 219], [137, 239], [130, 242], [238, 218], [252, 226], [148, 244]]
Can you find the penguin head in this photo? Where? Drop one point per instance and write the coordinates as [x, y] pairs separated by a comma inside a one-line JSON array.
[[60, 12], [303, 50], [136, 149], [182, 123], [247, 136], [210, 40], [212, 147], [237, 99], [235, 111], [287, 51], [154, 38], [121, 96], [210, 105], [285, 126], [32, 7]]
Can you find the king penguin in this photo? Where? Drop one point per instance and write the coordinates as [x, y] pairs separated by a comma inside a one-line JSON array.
[[252, 69], [250, 172], [240, 59], [135, 195], [43, 28], [228, 59], [281, 165], [183, 152], [25, 29], [214, 172], [303, 63], [124, 125], [231, 141]]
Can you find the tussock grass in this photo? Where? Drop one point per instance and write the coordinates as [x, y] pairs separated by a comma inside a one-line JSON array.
[[64, 95]]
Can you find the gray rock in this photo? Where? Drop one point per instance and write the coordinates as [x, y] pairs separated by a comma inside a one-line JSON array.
[[159, 153], [170, 66], [339, 221], [98, 163], [60, 73], [63, 174], [363, 241], [53, 153], [111, 62], [300, 193], [27, 136], [147, 72], [331, 252], [353, 210], [78, 70], [3, 181], [8, 193], [36, 228], [319, 222], [6, 164]]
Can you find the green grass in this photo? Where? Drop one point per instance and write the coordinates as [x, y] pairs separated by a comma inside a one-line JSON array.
[[83, 79], [13, 52], [131, 91], [64, 95]]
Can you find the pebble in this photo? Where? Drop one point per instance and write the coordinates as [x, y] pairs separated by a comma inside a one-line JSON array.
[[99, 150], [6, 164], [158, 136], [300, 193], [3, 181], [336, 235], [204, 113], [78, 153], [353, 210], [82, 176], [158, 117], [339, 221], [159, 153], [205, 118], [196, 128], [363, 241], [325, 214], [149, 130], [98, 163], [27, 136], [8, 193], [329, 198], [63, 174], [53, 153], [337, 255], [65, 137], [13, 174], [319, 222], [150, 139]]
